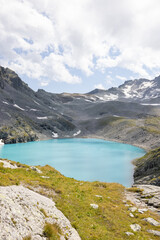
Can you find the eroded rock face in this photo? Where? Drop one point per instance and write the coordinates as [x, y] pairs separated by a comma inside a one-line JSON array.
[[22, 214], [1, 83], [147, 169], [151, 194], [10, 77], [1, 77]]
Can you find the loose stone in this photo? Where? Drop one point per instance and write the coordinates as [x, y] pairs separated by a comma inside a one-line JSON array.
[[95, 206], [35, 169], [142, 210], [129, 233], [99, 196], [135, 227], [154, 232], [132, 209], [152, 221], [131, 215]]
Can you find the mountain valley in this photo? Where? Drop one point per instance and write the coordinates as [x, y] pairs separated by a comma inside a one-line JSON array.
[[44, 115], [128, 114]]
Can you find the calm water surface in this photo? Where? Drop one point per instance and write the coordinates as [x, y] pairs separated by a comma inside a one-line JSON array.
[[82, 159]]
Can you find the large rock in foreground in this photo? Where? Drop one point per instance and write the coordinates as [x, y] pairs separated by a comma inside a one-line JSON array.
[[24, 213]]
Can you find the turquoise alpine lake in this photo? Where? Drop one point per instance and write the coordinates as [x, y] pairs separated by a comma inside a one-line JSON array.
[[82, 159]]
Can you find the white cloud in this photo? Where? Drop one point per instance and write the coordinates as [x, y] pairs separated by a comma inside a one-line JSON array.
[[99, 86], [57, 71], [121, 78], [107, 62], [109, 81], [44, 84], [48, 39]]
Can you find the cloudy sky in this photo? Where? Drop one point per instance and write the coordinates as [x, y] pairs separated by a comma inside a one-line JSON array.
[[79, 45]]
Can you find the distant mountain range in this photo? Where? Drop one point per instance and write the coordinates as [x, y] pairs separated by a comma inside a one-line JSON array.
[[138, 90], [122, 114]]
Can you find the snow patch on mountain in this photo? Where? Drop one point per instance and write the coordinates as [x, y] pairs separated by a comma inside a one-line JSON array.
[[34, 110], [54, 135], [110, 97], [42, 117], [77, 133], [127, 91], [37, 103], [146, 85], [15, 105], [5, 102], [87, 100], [150, 104]]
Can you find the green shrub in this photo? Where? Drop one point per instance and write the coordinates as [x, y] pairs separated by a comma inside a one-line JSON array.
[[27, 237], [51, 231]]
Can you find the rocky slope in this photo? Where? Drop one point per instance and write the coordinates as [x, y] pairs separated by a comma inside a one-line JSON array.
[[23, 116], [147, 169], [141, 131]]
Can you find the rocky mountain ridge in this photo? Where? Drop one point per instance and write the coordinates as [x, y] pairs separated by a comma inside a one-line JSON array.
[[19, 104], [138, 90]]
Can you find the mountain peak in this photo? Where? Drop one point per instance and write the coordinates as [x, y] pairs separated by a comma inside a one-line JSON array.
[[9, 77], [97, 90]]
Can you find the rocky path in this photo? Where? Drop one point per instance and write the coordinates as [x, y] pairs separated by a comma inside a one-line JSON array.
[[148, 197], [24, 213]]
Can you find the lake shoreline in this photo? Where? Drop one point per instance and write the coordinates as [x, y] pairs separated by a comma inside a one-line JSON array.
[[143, 146], [95, 136], [110, 154], [118, 141]]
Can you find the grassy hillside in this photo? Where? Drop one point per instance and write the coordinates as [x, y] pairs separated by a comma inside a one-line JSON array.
[[142, 131], [109, 221]]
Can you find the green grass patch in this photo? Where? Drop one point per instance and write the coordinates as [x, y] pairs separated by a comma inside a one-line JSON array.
[[51, 231], [135, 189], [27, 237], [44, 212]]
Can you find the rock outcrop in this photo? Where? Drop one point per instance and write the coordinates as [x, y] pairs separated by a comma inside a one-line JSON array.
[[24, 213], [146, 197], [147, 169]]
